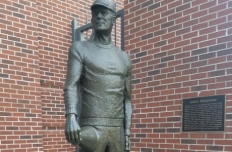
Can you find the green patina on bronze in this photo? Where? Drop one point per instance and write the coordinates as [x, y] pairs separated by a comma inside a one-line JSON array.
[[103, 74]]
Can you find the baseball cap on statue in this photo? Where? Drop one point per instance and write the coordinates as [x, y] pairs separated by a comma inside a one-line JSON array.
[[110, 4]]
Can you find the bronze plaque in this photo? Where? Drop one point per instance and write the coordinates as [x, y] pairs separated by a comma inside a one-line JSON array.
[[203, 114]]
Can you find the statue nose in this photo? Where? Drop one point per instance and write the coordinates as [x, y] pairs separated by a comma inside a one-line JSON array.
[[99, 15]]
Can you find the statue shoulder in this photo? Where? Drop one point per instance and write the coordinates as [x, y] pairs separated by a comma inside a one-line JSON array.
[[126, 57], [79, 44], [77, 48], [123, 52]]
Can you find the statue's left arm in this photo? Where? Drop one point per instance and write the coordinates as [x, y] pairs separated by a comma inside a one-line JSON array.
[[127, 105]]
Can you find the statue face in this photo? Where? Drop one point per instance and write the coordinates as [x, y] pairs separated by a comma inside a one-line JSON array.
[[102, 18]]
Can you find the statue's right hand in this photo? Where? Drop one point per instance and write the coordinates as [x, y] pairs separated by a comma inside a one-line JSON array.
[[72, 129]]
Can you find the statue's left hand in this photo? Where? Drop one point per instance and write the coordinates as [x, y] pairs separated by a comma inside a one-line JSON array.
[[127, 143], [72, 129]]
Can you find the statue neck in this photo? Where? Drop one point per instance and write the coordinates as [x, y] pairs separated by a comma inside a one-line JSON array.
[[101, 37]]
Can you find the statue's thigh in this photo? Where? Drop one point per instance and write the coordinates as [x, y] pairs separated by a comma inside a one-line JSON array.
[[117, 140], [101, 148]]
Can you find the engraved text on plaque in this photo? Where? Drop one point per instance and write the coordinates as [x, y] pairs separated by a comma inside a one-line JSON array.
[[204, 114]]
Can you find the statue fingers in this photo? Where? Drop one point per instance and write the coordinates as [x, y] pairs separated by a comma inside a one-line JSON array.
[[72, 137], [78, 127], [77, 137], [127, 144], [67, 136]]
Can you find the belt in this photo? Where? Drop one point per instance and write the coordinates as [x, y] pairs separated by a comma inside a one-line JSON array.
[[108, 122]]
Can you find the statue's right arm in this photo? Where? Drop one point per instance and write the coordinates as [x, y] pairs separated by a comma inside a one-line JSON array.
[[71, 93]]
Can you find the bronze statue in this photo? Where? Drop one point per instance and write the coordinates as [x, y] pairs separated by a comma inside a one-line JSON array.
[[98, 77]]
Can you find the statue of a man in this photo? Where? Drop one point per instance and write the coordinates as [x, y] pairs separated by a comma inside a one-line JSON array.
[[103, 72]]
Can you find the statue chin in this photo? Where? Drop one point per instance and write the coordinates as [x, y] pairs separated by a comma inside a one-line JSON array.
[[89, 138]]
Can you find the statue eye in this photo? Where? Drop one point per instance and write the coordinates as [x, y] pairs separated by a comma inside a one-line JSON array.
[[95, 12], [104, 12]]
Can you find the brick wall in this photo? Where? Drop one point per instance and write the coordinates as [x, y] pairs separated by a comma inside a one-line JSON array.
[[20, 99], [34, 41], [179, 49]]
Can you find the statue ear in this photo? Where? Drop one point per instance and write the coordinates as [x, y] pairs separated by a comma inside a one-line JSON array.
[[113, 20], [91, 20]]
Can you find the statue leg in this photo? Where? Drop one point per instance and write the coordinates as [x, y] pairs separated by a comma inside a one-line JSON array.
[[117, 140]]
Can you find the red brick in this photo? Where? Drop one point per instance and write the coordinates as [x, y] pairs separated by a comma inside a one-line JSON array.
[[199, 39], [177, 146], [154, 18], [217, 8], [208, 17], [228, 148], [199, 14], [190, 10], [182, 19], [224, 26], [208, 43], [208, 5], [182, 43], [197, 147], [174, 4], [175, 16], [217, 34], [215, 136], [199, 3], [207, 93], [148, 14], [158, 8], [224, 12]]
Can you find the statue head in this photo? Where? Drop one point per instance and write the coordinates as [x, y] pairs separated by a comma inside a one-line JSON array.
[[103, 15], [106, 3]]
